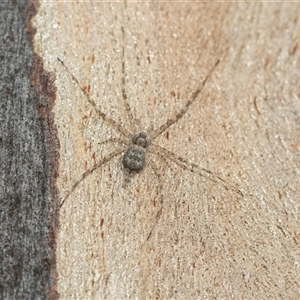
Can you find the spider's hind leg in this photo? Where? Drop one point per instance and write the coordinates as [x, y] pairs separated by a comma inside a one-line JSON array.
[[90, 171], [157, 201], [183, 163]]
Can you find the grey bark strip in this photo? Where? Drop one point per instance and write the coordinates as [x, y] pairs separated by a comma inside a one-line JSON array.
[[28, 155]]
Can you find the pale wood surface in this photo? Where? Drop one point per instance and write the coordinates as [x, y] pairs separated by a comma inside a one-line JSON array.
[[209, 242]]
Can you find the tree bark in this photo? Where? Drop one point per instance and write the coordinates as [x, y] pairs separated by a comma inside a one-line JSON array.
[[174, 231], [29, 159]]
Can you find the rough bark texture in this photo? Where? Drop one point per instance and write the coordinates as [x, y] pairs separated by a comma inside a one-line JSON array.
[[207, 242], [28, 154]]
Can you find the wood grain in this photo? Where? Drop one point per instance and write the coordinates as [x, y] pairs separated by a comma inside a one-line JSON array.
[[208, 242]]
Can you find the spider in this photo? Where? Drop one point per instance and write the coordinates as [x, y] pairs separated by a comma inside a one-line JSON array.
[[135, 153]]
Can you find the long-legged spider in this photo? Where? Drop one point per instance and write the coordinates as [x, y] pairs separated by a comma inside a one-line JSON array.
[[138, 144]]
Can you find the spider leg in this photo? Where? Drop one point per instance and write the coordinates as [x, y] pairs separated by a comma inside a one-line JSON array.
[[90, 171], [183, 163], [183, 110], [112, 140], [158, 194], [124, 95], [104, 117]]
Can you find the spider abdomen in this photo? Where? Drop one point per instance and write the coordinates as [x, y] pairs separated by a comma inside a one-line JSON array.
[[134, 158]]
